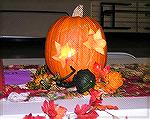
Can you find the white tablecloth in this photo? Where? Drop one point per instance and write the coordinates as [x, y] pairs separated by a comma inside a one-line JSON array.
[[132, 107]]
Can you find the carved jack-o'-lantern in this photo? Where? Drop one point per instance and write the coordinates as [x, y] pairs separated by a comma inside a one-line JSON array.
[[75, 41]]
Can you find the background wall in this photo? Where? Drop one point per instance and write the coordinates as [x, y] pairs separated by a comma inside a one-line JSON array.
[[37, 25], [34, 24]]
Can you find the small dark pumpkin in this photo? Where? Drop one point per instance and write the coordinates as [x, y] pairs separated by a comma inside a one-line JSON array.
[[84, 80]]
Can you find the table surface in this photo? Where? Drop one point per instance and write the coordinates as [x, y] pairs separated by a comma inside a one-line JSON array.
[[133, 107]]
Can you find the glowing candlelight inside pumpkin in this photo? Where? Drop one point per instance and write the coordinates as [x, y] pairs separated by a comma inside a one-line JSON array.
[[63, 52], [66, 51]]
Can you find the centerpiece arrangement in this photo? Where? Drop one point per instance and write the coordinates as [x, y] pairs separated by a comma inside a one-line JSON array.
[[76, 55], [73, 45]]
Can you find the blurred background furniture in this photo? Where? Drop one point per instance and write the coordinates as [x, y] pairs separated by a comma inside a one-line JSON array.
[[1, 76], [24, 25]]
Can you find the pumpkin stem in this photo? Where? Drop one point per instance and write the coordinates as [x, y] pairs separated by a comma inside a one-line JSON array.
[[73, 71], [78, 11]]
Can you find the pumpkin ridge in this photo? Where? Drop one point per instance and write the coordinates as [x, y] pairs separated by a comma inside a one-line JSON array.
[[61, 32], [79, 42], [49, 39], [65, 24], [69, 22], [58, 40], [96, 26], [82, 52], [88, 20], [78, 58]]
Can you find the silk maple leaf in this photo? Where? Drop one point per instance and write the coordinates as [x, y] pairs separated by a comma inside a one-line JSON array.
[[105, 71], [85, 112], [95, 98], [52, 110], [96, 101], [30, 116], [95, 41]]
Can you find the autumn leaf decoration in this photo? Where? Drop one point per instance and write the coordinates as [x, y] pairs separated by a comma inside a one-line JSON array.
[[110, 80], [96, 100], [53, 111], [88, 111], [30, 116], [85, 112]]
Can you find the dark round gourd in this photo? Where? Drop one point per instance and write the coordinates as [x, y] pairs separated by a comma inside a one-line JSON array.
[[84, 80]]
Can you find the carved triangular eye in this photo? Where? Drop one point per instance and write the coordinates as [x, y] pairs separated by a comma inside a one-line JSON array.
[[96, 42], [91, 32], [97, 35]]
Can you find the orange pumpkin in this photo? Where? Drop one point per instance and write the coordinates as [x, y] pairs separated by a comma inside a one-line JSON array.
[[75, 41]]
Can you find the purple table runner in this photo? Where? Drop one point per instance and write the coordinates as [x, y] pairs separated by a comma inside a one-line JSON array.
[[16, 77]]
